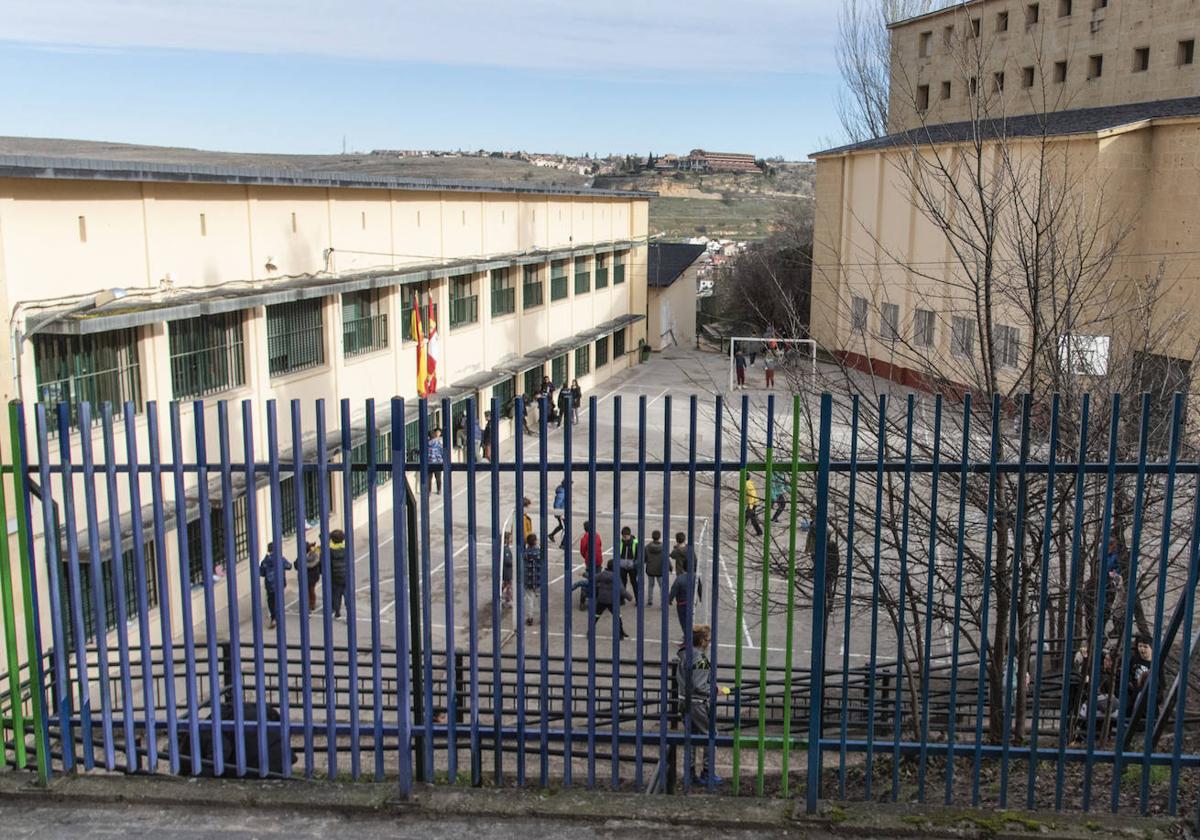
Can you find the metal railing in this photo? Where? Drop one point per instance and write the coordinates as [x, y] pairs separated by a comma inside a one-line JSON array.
[[464, 310], [365, 335], [872, 557]]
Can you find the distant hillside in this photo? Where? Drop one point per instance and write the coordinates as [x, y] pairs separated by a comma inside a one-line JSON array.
[[734, 206], [446, 167]]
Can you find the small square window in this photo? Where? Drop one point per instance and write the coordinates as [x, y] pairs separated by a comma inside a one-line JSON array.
[[1064, 8], [1060, 72], [998, 82], [1099, 4], [1002, 22], [975, 27], [1141, 59], [922, 98], [973, 86], [945, 90], [948, 36], [1027, 76], [1033, 14], [1095, 66], [925, 44], [1187, 51]]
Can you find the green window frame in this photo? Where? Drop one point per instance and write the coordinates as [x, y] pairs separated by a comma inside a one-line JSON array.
[[583, 277], [558, 370], [618, 344], [558, 280], [412, 435], [504, 392], [583, 360], [359, 479], [531, 289], [532, 381], [99, 368], [464, 302], [601, 271], [108, 584], [217, 529], [618, 268], [295, 336], [406, 310], [364, 326], [601, 352], [504, 295], [207, 355], [312, 501]]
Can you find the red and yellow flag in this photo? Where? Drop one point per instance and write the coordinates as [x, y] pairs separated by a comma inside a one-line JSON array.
[[433, 350], [422, 358]]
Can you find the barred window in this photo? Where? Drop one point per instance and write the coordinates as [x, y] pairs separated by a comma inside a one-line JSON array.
[[98, 368], [359, 479], [364, 326], [962, 336], [295, 336], [601, 271], [533, 381], [408, 296], [217, 530], [504, 392], [288, 514], [923, 328], [618, 344], [889, 321], [413, 445], [858, 314], [207, 355], [558, 280], [1008, 345], [583, 277], [583, 360], [531, 291], [464, 302], [504, 296], [558, 370], [619, 267], [601, 352], [108, 586]]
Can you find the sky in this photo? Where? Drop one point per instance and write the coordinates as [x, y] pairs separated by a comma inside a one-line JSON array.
[[298, 76]]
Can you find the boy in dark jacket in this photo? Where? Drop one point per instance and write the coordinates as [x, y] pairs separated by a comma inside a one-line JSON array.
[[682, 591], [268, 572], [533, 577], [560, 510], [692, 684], [653, 565], [606, 588], [337, 569]]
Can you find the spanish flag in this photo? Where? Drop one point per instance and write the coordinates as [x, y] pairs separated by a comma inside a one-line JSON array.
[[422, 359], [433, 349]]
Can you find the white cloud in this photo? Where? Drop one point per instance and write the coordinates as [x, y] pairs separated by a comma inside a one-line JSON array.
[[712, 35]]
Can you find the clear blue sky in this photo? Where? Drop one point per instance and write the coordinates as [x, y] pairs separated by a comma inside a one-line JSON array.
[[545, 75]]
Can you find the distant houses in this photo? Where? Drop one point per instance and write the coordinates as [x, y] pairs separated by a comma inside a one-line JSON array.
[[698, 160]]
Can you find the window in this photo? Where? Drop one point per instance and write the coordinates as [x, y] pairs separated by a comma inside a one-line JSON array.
[[533, 382], [618, 344], [504, 296], [558, 280], [601, 271], [98, 368], [889, 321], [288, 514], [945, 90], [419, 296], [359, 479], [1033, 14], [1027, 74], [973, 86], [923, 328], [1141, 59], [218, 532], [601, 352], [1100, 4], [1095, 66], [108, 585], [203, 225], [1002, 22], [998, 82], [531, 291], [464, 303], [1187, 52], [295, 336], [364, 326], [975, 27], [858, 313], [1064, 8], [207, 355], [962, 336], [583, 360], [558, 370], [922, 98], [947, 36], [924, 44], [504, 392], [1008, 341], [583, 278], [83, 230], [1060, 72], [619, 268]]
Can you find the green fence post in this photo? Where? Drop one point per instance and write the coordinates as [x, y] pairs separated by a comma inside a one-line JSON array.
[[764, 613], [791, 603], [737, 662], [14, 717]]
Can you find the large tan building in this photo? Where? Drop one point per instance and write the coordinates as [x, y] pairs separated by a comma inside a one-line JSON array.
[[140, 282], [886, 275]]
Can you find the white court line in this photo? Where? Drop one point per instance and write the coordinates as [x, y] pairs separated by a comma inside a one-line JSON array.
[[733, 591]]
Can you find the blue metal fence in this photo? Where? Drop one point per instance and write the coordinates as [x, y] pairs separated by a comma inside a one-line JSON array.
[[888, 602]]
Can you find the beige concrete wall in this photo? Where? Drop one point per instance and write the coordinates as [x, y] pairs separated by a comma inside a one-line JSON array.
[[1114, 32], [671, 313]]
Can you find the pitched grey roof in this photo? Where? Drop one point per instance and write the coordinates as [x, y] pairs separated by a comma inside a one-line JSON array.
[[1053, 124], [668, 260]]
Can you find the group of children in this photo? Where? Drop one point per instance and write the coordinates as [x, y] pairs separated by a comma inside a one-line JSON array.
[[270, 567]]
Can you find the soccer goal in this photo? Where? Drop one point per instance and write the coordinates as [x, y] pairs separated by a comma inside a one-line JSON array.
[[791, 356]]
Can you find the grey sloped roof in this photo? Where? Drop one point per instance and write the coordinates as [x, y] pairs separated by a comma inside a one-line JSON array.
[[1055, 123], [668, 260]]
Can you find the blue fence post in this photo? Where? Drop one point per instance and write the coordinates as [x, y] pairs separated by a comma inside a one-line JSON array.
[[214, 726], [472, 589], [185, 586], [350, 597], [964, 474], [880, 474], [812, 784], [448, 606], [988, 540], [714, 593], [302, 576], [902, 595], [400, 578], [235, 641], [256, 629], [373, 546]]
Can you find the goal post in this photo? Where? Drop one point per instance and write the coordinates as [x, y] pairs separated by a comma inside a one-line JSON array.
[[786, 351]]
